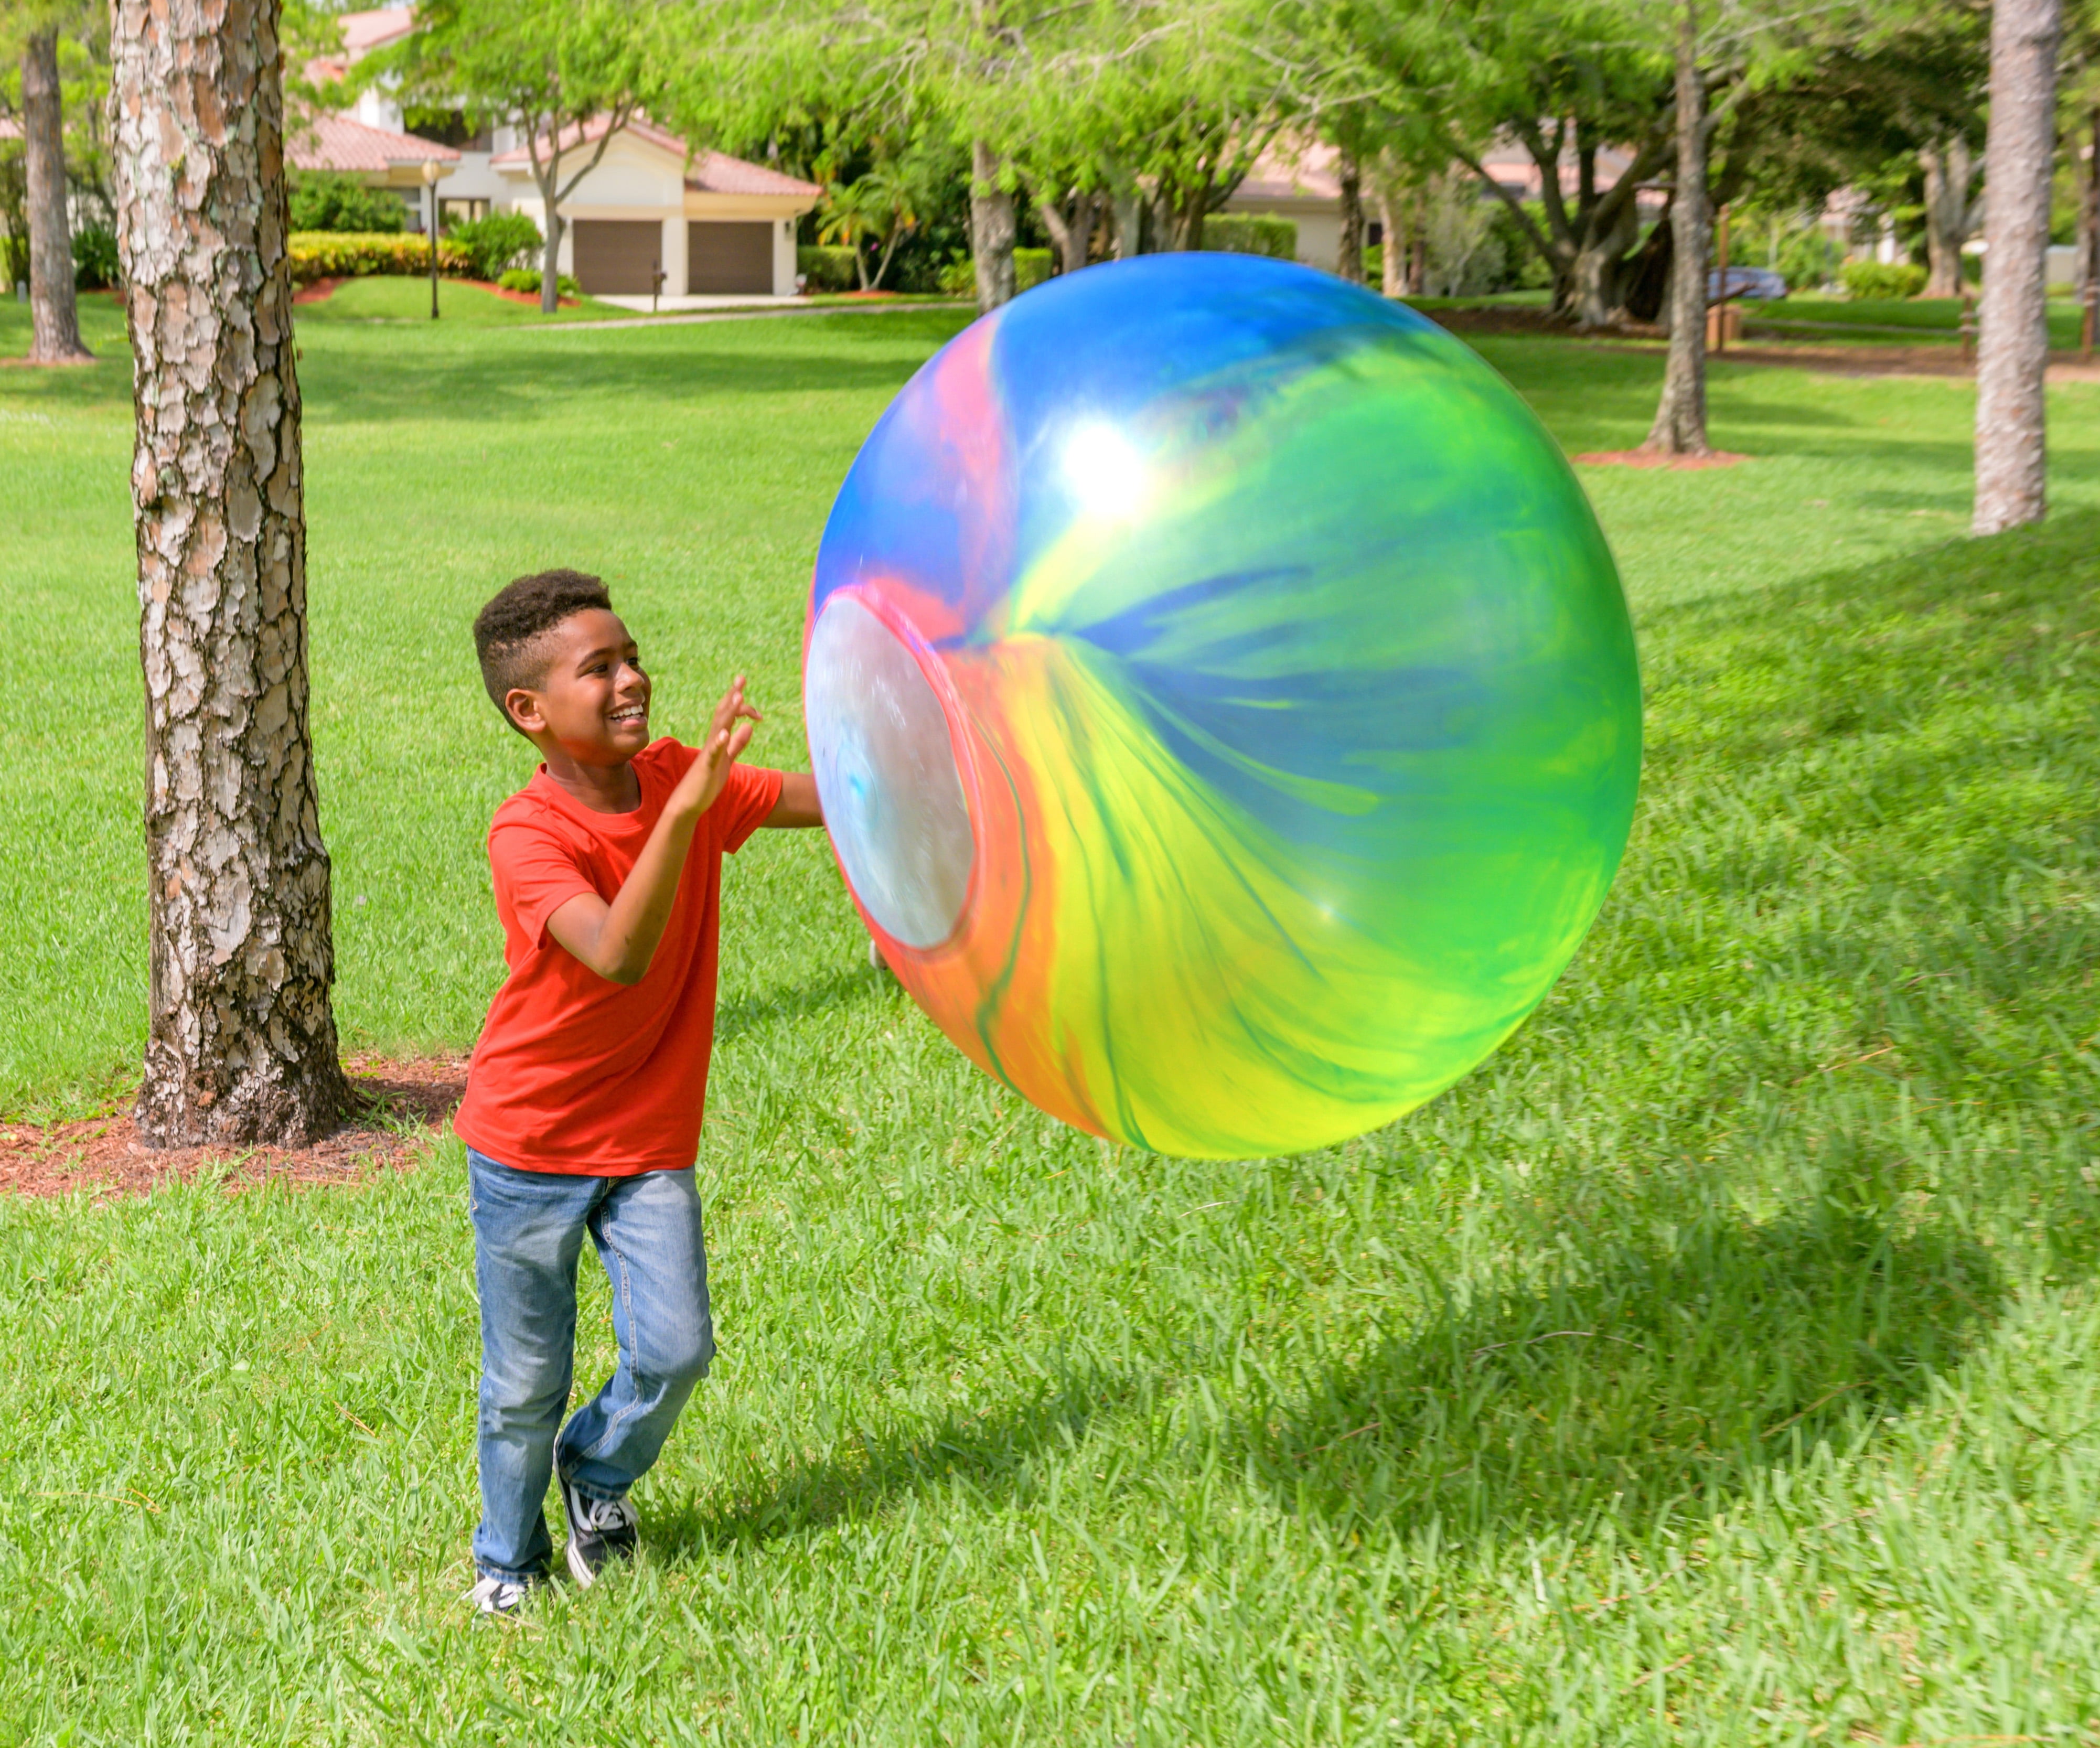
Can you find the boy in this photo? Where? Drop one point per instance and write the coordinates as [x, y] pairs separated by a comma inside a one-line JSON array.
[[582, 1112]]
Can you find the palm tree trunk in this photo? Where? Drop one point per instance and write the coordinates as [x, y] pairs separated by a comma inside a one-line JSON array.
[[55, 321], [2012, 360], [1680, 419], [242, 1043]]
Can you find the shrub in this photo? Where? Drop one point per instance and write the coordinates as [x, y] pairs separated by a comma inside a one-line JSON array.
[[330, 201], [496, 244], [327, 254], [1882, 279], [958, 278], [94, 258], [1251, 234], [826, 267], [1032, 267], [527, 279]]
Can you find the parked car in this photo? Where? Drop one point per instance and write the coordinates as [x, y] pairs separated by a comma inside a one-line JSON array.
[[1760, 284]]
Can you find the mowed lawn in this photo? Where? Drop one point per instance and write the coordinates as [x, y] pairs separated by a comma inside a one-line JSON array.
[[1716, 1365]]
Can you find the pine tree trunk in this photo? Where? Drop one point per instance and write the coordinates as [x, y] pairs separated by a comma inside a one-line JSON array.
[[1950, 172], [1680, 419], [2012, 360], [55, 322], [992, 229], [1349, 249], [241, 1044]]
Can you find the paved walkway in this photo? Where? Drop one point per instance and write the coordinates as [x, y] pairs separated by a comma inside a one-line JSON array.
[[783, 306]]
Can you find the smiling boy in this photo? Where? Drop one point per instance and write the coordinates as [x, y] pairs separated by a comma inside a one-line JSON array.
[[582, 1113]]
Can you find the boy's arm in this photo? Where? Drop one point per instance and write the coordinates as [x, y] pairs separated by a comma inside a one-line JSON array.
[[618, 940], [798, 804]]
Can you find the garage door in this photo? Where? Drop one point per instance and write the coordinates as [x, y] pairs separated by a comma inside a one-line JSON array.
[[618, 255], [722, 257]]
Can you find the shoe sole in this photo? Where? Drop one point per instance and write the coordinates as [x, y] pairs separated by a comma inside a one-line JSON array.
[[579, 1567]]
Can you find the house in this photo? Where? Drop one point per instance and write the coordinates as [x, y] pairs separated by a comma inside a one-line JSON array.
[[711, 223], [1297, 179]]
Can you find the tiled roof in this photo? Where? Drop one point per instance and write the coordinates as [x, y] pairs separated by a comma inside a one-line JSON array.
[[711, 172], [363, 31], [718, 173], [335, 142]]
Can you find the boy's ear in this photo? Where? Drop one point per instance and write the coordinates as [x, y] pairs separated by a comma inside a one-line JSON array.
[[522, 708]]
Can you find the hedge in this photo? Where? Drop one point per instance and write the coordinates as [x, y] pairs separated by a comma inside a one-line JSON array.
[[331, 254], [1882, 279], [497, 243], [529, 279], [826, 267], [1251, 234]]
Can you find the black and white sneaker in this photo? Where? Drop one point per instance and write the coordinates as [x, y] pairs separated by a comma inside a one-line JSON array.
[[600, 1531], [495, 1595]]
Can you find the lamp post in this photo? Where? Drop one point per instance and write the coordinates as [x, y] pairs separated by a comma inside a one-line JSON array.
[[431, 171]]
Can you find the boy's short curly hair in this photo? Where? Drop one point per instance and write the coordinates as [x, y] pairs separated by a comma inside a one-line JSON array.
[[510, 632]]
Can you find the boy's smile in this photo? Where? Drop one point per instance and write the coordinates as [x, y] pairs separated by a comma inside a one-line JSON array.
[[594, 703], [589, 714]]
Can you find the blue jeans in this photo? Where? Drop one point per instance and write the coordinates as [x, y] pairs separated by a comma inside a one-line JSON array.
[[529, 1231]]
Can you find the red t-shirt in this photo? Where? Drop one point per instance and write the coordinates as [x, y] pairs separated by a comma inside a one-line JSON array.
[[574, 1073]]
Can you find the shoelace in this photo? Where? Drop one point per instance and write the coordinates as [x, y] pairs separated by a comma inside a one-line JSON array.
[[602, 1514]]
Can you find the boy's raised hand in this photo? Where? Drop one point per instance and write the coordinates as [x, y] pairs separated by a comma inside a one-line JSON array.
[[728, 733]]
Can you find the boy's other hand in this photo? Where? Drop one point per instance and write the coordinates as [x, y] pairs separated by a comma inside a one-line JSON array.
[[728, 733]]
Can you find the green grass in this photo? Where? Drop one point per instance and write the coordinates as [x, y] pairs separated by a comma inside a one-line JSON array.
[[406, 300], [1896, 320], [1716, 1365]]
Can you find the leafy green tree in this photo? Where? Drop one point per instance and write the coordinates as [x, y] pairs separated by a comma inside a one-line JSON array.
[[549, 68]]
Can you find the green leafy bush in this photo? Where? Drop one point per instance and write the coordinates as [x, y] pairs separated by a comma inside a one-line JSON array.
[[327, 200], [527, 279], [94, 262], [327, 254], [1251, 234], [958, 278], [1032, 267], [496, 244], [827, 267], [1882, 279]]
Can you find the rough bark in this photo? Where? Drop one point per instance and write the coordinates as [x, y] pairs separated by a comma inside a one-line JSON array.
[[55, 322], [1349, 249], [242, 1043], [2012, 357], [992, 229], [1680, 417], [1950, 212]]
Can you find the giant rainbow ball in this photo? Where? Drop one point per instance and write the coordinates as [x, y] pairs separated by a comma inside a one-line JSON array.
[[1222, 703]]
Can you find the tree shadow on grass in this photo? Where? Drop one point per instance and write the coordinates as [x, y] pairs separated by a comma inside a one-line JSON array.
[[1648, 1376]]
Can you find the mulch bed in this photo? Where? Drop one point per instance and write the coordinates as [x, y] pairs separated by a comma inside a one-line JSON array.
[[317, 290], [401, 1106], [1653, 458]]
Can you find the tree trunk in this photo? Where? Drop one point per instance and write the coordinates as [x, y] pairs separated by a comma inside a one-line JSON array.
[[2012, 362], [2087, 153], [55, 323], [1392, 246], [1950, 174], [1680, 419], [1349, 249], [550, 258], [1595, 293], [242, 1043], [1129, 218], [992, 229]]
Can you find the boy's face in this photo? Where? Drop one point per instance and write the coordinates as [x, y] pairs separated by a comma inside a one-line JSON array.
[[594, 703]]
